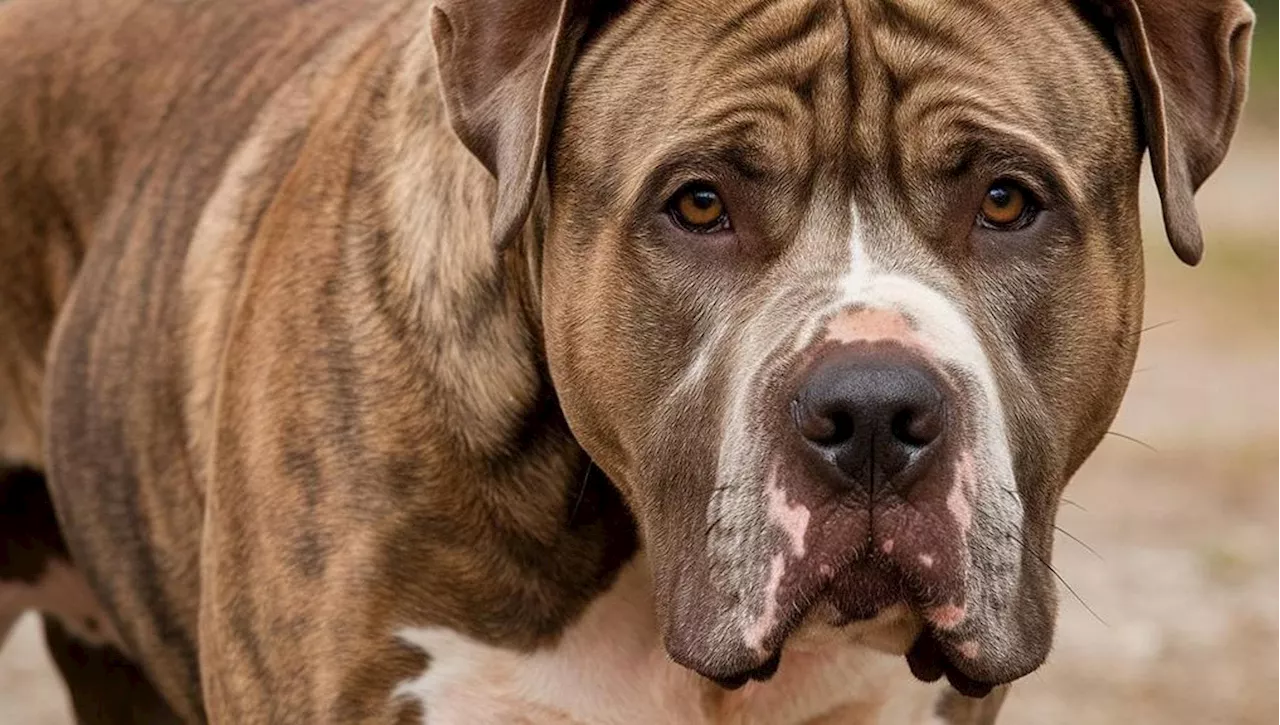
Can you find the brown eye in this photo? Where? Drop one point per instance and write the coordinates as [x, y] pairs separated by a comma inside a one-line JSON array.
[[1006, 206], [698, 208]]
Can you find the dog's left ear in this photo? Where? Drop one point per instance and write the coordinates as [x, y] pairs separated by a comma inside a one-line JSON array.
[[1189, 61], [503, 64]]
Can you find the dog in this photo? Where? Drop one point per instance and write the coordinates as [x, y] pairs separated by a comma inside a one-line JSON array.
[[484, 361]]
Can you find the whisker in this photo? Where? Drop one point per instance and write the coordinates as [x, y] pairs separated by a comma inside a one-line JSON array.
[[1149, 328], [1064, 499], [1058, 576], [1069, 502], [1076, 539], [1131, 439], [582, 489]]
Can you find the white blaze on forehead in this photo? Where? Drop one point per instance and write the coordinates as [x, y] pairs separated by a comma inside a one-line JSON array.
[[858, 273], [859, 263]]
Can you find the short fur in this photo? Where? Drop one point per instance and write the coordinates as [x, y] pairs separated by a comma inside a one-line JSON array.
[[328, 319]]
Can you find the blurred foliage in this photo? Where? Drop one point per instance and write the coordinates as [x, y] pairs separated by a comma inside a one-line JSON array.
[[1262, 92]]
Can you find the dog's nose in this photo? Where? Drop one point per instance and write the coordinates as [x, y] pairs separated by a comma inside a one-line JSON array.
[[870, 418]]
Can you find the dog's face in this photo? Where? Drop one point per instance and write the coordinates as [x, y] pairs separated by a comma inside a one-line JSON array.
[[840, 295]]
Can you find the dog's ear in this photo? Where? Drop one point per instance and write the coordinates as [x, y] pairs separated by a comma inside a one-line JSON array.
[[1189, 61], [503, 64]]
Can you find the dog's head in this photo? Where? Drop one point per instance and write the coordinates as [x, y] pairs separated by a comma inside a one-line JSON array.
[[840, 294]]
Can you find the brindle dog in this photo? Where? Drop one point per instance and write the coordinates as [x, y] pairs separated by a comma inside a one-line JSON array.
[[534, 362]]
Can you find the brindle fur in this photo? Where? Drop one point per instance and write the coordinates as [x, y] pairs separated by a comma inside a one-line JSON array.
[[253, 325]]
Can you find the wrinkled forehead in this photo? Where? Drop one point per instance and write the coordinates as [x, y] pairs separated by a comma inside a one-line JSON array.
[[781, 90]]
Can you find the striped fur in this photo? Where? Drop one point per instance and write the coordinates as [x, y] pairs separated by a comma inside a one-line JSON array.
[[318, 447]]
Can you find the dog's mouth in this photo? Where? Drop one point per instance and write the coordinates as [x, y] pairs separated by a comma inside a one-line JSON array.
[[868, 596], [966, 608], [874, 587], [763, 673], [926, 659]]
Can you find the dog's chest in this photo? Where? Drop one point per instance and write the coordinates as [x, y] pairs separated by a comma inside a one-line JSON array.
[[610, 668]]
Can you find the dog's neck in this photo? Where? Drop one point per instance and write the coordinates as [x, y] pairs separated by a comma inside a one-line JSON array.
[[465, 322], [466, 297]]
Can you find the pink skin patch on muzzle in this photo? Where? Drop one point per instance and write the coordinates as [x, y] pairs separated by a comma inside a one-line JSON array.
[[871, 325], [793, 520], [962, 490], [768, 620], [945, 617]]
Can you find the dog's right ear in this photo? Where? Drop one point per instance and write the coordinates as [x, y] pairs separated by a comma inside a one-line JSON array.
[[503, 65]]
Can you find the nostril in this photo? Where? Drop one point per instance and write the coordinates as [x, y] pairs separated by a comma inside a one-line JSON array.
[[915, 427], [828, 428], [839, 428]]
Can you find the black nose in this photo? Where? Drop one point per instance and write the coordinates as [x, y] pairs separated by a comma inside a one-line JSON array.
[[870, 419]]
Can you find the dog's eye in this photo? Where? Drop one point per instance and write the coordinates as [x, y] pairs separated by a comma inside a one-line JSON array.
[[1007, 206], [698, 208]]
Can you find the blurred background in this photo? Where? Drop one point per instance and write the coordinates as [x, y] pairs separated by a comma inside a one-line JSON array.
[[1170, 539]]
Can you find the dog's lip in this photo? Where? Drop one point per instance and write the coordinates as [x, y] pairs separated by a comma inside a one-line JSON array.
[[866, 572], [762, 673], [762, 670], [929, 657], [929, 662]]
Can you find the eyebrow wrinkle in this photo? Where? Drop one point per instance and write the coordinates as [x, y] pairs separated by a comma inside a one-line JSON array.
[[850, 79], [810, 21], [747, 15]]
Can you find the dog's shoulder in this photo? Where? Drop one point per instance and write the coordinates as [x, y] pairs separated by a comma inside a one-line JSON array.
[[89, 88]]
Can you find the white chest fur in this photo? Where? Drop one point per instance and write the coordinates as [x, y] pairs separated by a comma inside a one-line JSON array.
[[610, 668]]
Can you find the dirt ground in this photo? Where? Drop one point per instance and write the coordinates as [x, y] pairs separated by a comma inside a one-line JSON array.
[[1184, 579]]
